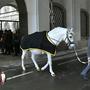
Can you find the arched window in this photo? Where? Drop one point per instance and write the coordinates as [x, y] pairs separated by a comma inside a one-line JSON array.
[[57, 15], [8, 16]]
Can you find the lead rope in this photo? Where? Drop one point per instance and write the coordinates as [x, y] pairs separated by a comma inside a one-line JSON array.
[[78, 57]]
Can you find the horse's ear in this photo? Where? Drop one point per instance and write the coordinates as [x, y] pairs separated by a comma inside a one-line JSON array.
[[71, 29]]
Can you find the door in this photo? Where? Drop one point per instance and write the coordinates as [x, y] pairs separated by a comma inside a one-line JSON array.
[[84, 24]]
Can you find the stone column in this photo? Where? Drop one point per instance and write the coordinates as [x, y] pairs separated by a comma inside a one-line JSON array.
[[70, 13], [38, 15], [32, 9], [43, 15]]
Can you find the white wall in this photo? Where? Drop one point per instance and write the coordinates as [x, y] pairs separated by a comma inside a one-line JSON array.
[[32, 10], [43, 6], [38, 14], [78, 4], [69, 13]]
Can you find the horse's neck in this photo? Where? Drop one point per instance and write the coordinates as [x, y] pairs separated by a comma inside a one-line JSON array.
[[57, 35]]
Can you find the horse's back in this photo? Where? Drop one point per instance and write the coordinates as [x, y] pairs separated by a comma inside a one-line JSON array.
[[55, 31], [32, 40]]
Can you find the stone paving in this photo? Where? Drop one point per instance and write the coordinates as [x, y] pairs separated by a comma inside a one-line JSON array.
[[10, 60]]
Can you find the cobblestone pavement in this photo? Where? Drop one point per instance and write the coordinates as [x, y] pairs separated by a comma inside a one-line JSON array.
[[67, 78]]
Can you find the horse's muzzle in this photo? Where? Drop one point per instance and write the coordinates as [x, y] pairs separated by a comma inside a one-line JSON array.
[[71, 46]]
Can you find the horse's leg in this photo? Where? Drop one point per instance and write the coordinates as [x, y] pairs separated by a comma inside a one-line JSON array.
[[22, 58], [34, 61], [45, 66], [50, 64]]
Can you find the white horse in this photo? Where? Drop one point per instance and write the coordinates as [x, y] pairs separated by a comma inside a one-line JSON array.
[[55, 36]]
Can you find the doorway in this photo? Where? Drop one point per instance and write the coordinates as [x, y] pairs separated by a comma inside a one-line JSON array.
[[84, 24]]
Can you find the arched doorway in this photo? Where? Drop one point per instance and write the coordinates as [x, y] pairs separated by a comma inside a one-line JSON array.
[[21, 8], [84, 24], [23, 26]]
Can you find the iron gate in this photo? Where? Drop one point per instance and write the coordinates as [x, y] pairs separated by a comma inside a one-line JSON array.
[[57, 15]]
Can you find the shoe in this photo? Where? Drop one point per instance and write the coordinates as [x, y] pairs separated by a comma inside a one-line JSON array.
[[84, 77]]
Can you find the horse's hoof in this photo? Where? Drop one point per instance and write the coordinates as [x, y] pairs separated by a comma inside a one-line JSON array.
[[84, 77], [23, 69], [42, 69], [38, 69], [53, 75]]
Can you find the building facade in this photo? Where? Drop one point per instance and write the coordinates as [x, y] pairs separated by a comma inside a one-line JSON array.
[[75, 13], [39, 15]]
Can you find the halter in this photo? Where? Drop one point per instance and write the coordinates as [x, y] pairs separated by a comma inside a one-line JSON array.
[[69, 41], [75, 50]]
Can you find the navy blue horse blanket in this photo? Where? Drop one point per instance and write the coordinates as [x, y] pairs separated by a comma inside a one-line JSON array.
[[38, 40]]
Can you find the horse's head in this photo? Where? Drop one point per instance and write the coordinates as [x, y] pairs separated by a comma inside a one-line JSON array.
[[70, 38], [59, 34]]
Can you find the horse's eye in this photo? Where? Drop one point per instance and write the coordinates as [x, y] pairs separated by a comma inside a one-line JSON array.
[[70, 37]]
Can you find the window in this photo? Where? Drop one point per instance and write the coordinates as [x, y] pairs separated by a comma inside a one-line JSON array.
[[9, 18]]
